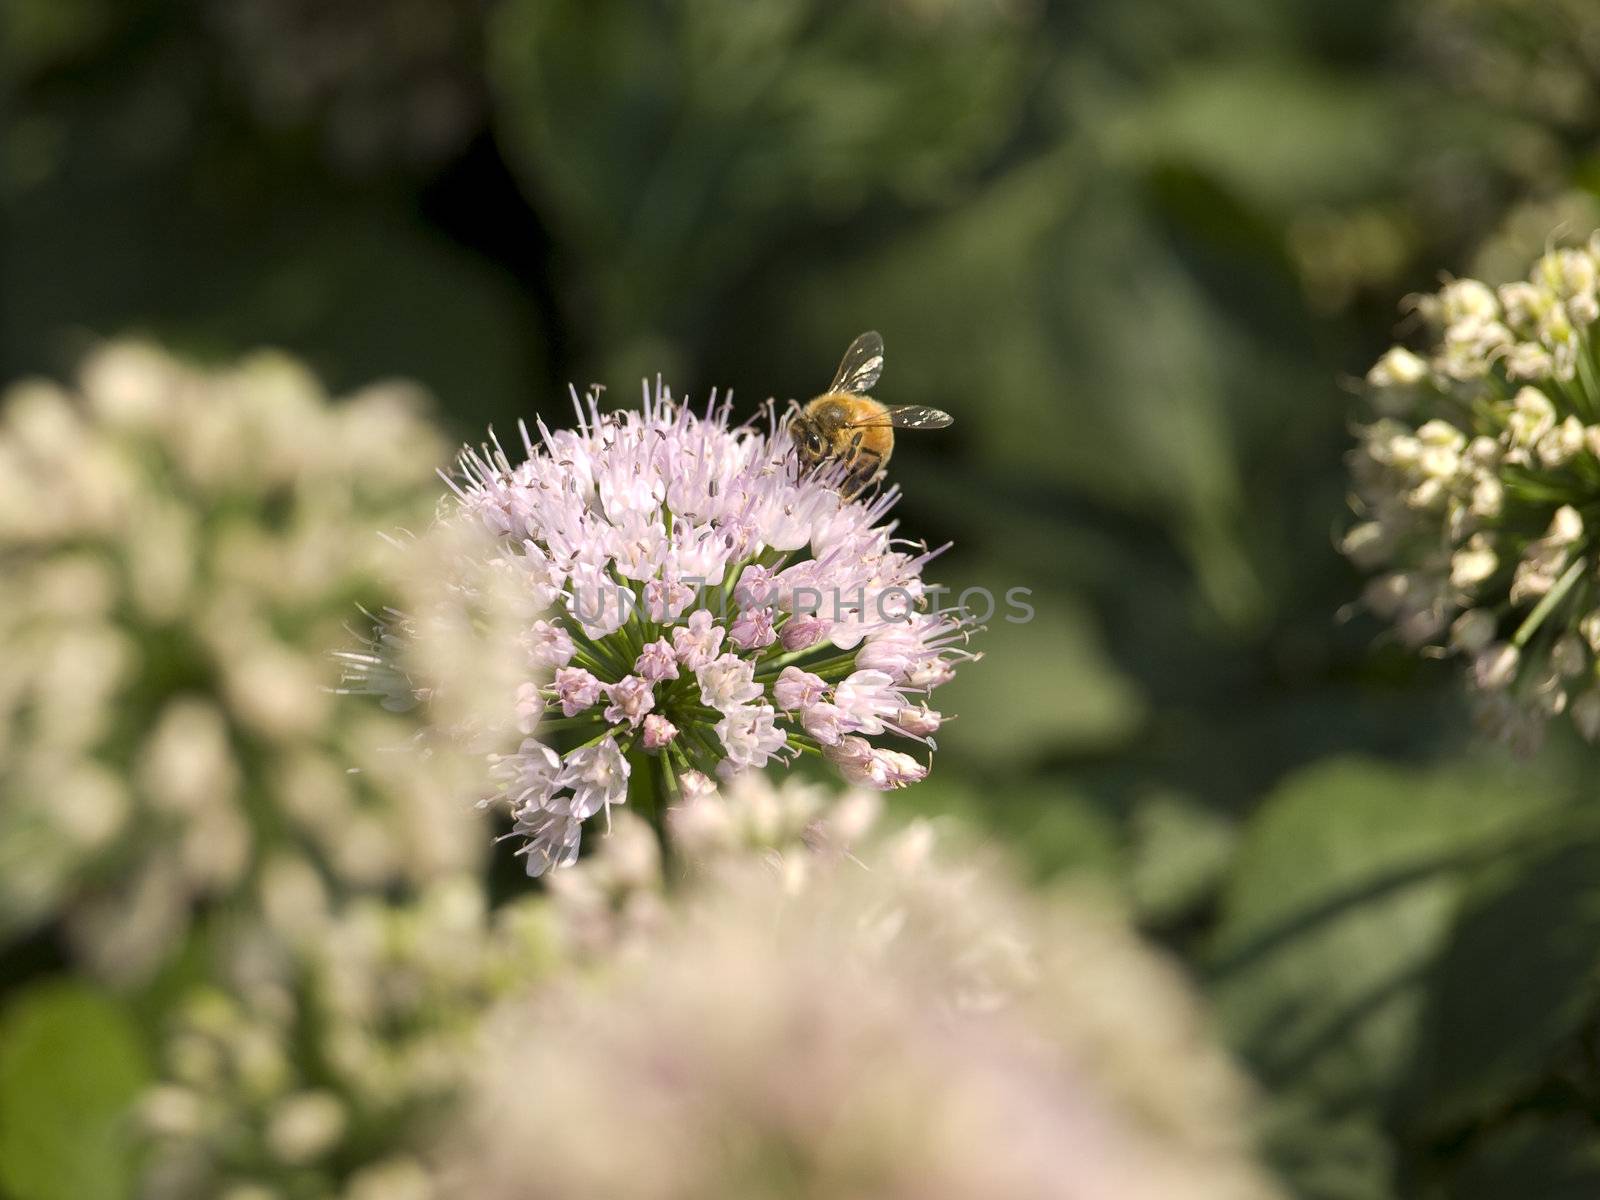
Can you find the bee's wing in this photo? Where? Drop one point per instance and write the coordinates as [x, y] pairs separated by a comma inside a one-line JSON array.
[[915, 416], [861, 365]]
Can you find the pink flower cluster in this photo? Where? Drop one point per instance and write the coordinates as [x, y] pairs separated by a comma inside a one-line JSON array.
[[708, 605]]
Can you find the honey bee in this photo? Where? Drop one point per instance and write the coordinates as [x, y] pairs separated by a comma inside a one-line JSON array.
[[846, 425]]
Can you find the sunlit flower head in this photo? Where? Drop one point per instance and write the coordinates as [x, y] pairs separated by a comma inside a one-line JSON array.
[[1477, 487], [710, 610]]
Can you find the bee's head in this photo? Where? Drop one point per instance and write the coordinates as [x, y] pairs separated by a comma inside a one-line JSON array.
[[808, 442]]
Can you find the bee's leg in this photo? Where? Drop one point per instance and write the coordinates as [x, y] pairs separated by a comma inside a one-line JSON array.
[[866, 467], [859, 454], [855, 479]]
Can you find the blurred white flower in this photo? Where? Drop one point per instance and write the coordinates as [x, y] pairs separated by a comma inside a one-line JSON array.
[[331, 1036], [898, 1026], [182, 549]]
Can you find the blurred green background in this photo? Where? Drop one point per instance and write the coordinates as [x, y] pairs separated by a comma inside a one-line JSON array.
[[1141, 250]]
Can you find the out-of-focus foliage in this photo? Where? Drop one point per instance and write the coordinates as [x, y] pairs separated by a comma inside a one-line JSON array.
[[184, 550], [1142, 251], [400, 88], [71, 1064], [673, 145]]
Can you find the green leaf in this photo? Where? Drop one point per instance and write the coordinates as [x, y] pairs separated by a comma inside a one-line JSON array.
[[1049, 826], [1043, 686], [1101, 367], [671, 143], [1345, 888], [36, 35], [71, 1063], [1553, 1160], [1327, 138], [1514, 985], [1346, 1157], [1180, 851], [1039, 302]]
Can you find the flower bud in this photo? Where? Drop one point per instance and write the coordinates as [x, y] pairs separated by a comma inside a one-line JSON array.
[[1367, 545], [920, 721], [1385, 595], [1398, 368], [1452, 493], [1495, 667], [1566, 527], [1562, 444], [803, 631], [1473, 563], [1473, 630], [658, 731], [1586, 714], [1488, 498], [1527, 360], [305, 1126], [1589, 629], [1532, 416], [1568, 656]]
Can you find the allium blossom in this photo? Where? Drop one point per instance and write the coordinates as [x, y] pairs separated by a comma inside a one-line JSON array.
[[711, 610], [902, 1024], [1476, 485]]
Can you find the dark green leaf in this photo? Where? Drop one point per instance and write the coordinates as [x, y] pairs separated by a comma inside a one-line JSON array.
[[1552, 1160], [1344, 891], [1514, 985]]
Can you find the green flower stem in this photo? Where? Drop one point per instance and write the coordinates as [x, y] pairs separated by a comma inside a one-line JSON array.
[[833, 674], [1586, 372], [685, 763], [595, 740], [1524, 485], [561, 724], [699, 740], [1546, 606], [627, 634], [671, 793], [774, 668], [646, 791], [589, 663], [1576, 400], [606, 662], [805, 745], [775, 658], [653, 789]]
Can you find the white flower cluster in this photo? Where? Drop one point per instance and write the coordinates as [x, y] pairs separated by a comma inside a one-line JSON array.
[[182, 548], [897, 1026], [334, 1032], [1479, 491], [711, 609], [809, 964], [616, 899], [334, 1035]]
